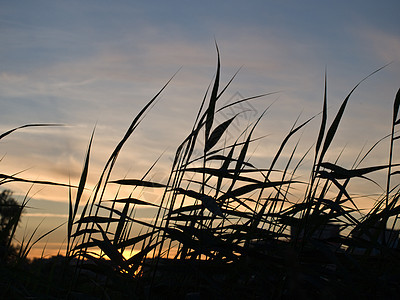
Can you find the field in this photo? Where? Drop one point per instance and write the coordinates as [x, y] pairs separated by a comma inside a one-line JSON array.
[[223, 228]]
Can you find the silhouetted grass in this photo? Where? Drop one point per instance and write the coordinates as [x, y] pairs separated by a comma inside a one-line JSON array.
[[225, 228]]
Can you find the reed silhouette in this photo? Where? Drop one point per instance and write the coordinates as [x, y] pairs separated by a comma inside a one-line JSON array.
[[225, 228]]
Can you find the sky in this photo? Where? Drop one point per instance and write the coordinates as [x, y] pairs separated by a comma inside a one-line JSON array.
[[95, 64]]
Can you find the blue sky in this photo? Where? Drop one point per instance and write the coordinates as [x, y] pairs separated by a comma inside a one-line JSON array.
[[82, 63]]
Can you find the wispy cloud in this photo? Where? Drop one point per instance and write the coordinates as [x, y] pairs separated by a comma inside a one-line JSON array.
[[384, 45], [46, 215]]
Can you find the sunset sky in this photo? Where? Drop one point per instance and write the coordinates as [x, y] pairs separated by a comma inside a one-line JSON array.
[[97, 63]]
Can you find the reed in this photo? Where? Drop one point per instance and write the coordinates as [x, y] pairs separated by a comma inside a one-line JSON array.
[[225, 228]]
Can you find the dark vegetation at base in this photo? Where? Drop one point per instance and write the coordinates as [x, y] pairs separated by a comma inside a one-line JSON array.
[[282, 276], [224, 228]]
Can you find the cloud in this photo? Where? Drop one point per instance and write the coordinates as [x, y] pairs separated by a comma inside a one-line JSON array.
[[47, 215], [384, 45]]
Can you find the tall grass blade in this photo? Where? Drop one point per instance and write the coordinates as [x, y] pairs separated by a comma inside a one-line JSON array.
[[138, 182], [217, 134], [113, 210], [335, 124], [84, 231], [110, 250], [245, 100], [208, 201], [29, 245], [396, 107], [342, 173], [134, 240], [26, 126], [131, 200], [323, 121], [113, 157], [121, 223], [286, 139], [79, 193], [95, 219], [251, 187], [222, 173], [213, 99], [9, 178], [135, 260]]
